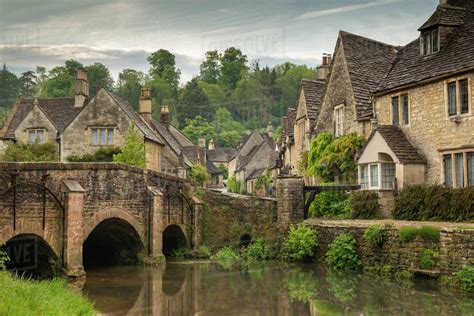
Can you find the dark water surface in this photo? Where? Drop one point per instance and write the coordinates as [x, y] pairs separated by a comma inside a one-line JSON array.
[[208, 289]]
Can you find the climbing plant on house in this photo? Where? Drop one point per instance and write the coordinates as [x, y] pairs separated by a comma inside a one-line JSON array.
[[334, 159], [133, 153]]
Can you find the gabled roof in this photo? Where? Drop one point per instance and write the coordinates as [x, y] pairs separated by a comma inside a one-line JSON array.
[[368, 63], [59, 111], [290, 122], [220, 154], [283, 129], [398, 143], [456, 55], [313, 93], [445, 15], [256, 173]]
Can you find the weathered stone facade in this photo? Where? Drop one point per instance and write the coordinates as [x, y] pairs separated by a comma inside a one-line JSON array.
[[36, 119]]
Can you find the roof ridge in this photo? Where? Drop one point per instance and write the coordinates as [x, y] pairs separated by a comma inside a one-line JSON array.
[[341, 32]]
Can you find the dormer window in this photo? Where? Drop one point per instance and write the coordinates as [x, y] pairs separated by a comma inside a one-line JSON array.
[[430, 41]]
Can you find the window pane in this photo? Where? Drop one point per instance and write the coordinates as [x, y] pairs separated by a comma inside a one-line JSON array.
[[459, 170], [31, 136], [110, 136], [40, 136], [374, 176], [470, 168], [452, 98], [395, 111], [426, 43], [434, 41], [405, 109], [448, 179], [464, 96], [102, 135], [388, 175], [94, 136], [364, 177]]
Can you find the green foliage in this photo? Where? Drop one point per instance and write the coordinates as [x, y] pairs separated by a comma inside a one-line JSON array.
[[60, 83], [375, 234], [233, 185], [133, 153], [105, 154], [98, 76], [263, 181], [30, 152], [228, 130], [343, 285], [3, 259], [302, 285], [25, 297], [194, 102], [466, 278], [226, 257], [334, 159], [429, 259], [427, 233], [199, 175], [257, 250], [9, 88], [181, 252], [364, 205], [436, 202], [199, 128], [407, 233], [224, 170], [233, 67], [300, 243], [4, 112], [204, 251], [210, 69], [164, 74], [129, 85], [342, 253], [330, 205]]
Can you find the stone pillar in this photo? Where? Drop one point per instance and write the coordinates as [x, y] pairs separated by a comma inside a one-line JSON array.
[[290, 199], [155, 228], [197, 205], [73, 230]]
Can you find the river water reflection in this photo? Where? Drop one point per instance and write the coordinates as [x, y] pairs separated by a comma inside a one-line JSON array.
[[208, 289]]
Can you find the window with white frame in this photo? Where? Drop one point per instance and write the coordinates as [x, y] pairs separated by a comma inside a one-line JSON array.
[[376, 176], [458, 169], [102, 136], [339, 120], [36, 135], [458, 97]]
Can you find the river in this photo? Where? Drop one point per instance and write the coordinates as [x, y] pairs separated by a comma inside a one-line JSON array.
[[273, 289]]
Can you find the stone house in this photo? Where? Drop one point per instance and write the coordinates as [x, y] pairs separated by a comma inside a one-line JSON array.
[[287, 141], [423, 108]]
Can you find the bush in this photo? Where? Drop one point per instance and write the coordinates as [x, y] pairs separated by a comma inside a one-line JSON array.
[[330, 205], [429, 259], [181, 252], [465, 277], [204, 252], [364, 205], [101, 155], [342, 253], [3, 259], [233, 185], [300, 243], [199, 175], [407, 233], [436, 202], [375, 235], [133, 153], [257, 250], [30, 152], [427, 233], [226, 253]]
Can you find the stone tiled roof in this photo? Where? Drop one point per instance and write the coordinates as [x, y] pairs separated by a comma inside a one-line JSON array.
[[399, 143], [255, 173], [194, 153], [212, 169], [456, 55], [290, 122], [220, 154], [445, 15], [368, 62], [283, 129], [313, 93], [59, 111]]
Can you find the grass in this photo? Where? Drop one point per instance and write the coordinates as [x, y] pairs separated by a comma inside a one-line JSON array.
[[24, 297]]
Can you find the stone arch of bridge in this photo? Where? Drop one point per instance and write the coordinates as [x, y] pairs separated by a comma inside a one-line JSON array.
[[174, 237]]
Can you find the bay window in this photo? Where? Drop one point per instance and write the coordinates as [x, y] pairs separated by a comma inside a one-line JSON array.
[[377, 176]]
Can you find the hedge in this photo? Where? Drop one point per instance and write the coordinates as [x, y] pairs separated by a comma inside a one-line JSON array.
[[364, 205], [435, 202]]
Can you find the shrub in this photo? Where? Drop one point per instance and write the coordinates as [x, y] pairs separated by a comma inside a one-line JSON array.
[[181, 252], [30, 152], [300, 243], [226, 253], [342, 253], [330, 204], [257, 250], [133, 153], [101, 155], [429, 259], [364, 205], [3, 259], [407, 233], [375, 234], [429, 233], [466, 278], [198, 175], [233, 185], [204, 252]]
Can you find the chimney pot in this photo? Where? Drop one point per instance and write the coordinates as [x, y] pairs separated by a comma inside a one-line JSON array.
[[270, 129], [165, 116], [145, 105], [202, 142], [210, 145], [81, 89]]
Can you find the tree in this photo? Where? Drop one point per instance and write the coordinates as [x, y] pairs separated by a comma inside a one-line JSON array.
[[28, 82], [199, 128], [228, 130], [199, 175], [72, 66], [194, 102], [99, 77], [163, 65], [60, 83], [129, 85], [234, 65], [210, 71], [9, 87], [133, 153]]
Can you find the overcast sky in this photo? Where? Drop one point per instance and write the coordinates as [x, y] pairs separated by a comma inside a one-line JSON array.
[[121, 34]]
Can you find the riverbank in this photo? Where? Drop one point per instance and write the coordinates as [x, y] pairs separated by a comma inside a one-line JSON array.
[[23, 297]]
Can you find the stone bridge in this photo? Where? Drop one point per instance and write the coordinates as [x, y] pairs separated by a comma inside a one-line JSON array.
[[96, 211]]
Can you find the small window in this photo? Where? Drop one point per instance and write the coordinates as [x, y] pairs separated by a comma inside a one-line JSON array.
[[339, 114], [434, 41], [405, 110], [364, 177], [388, 175], [395, 111], [459, 159], [374, 176], [470, 169], [430, 42], [464, 96], [36, 135], [426, 43], [102, 136], [452, 106], [448, 175]]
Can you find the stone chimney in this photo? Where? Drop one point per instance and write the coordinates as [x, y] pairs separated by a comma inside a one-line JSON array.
[[165, 116], [210, 145], [81, 89], [322, 71], [202, 142], [270, 129], [145, 105]]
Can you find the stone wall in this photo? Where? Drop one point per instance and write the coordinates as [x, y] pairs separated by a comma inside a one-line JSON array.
[[456, 247]]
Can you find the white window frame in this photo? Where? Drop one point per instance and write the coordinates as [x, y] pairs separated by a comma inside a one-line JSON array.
[[339, 114], [99, 131], [379, 186], [35, 130]]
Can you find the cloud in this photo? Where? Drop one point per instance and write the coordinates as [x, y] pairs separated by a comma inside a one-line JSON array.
[[349, 8]]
